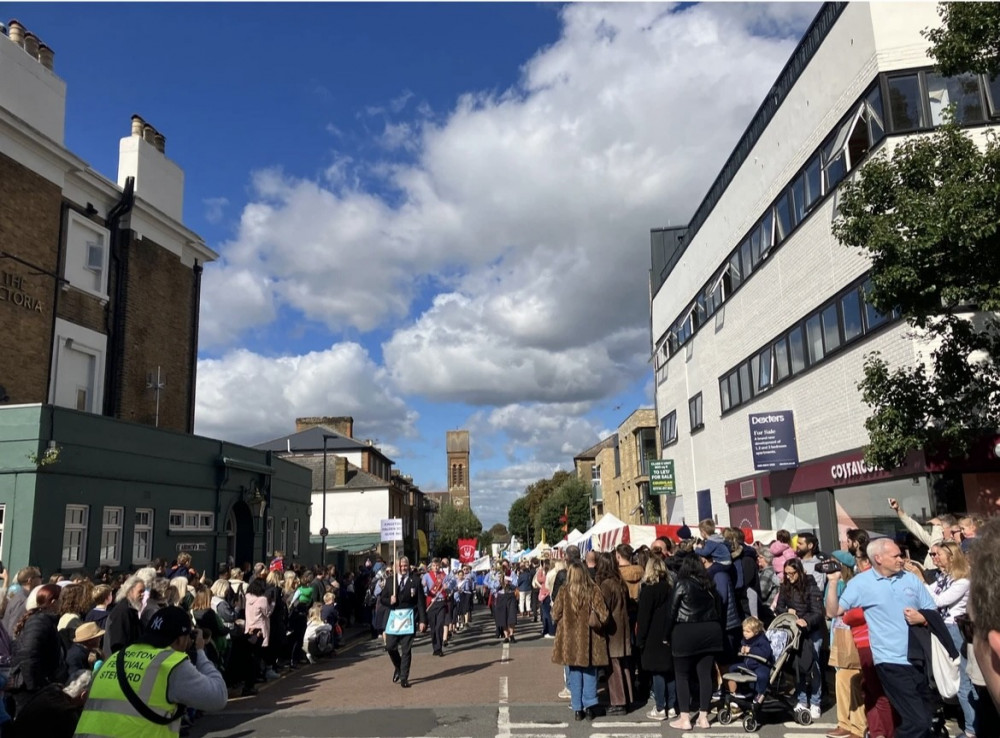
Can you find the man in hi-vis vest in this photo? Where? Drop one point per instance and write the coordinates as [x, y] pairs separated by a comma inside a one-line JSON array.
[[143, 689]]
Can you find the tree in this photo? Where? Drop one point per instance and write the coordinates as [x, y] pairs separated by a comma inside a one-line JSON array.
[[520, 521], [572, 500], [499, 530], [928, 218], [968, 39], [485, 541], [452, 523]]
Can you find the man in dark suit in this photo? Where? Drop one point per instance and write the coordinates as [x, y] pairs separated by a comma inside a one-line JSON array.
[[405, 592]]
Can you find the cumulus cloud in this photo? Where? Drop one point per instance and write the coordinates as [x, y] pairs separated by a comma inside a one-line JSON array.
[[215, 208], [248, 398]]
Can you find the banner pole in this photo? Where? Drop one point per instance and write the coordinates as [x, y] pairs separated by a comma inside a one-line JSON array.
[[395, 567]]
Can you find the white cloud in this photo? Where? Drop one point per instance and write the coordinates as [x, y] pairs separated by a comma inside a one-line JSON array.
[[248, 398], [215, 208]]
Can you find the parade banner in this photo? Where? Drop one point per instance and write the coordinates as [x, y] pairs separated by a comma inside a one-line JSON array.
[[466, 550]]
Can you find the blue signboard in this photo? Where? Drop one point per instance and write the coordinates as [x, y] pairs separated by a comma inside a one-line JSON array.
[[772, 440]]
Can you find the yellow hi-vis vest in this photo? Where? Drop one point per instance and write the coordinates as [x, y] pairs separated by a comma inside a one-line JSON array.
[[108, 711]]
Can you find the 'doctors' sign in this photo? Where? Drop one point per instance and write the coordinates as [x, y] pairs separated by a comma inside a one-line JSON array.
[[772, 440]]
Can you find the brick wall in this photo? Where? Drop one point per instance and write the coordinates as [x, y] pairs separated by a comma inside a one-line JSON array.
[[29, 229], [158, 332]]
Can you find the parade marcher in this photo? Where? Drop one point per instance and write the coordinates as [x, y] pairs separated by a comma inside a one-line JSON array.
[[145, 688], [434, 588], [408, 592], [545, 598], [505, 605]]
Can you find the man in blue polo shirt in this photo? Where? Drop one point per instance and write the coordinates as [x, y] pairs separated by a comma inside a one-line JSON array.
[[892, 599]]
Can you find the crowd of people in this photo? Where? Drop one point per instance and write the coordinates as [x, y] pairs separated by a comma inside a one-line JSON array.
[[64, 641], [669, 620]]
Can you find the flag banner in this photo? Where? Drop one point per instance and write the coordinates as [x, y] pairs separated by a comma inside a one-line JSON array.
[[466, 550]]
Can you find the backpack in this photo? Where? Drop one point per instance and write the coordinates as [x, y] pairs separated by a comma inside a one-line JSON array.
[[323, 642], [370, 593]]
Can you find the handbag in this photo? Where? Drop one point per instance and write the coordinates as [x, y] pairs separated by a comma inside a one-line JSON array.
[[843, 650], [946, 671], [594, 620], [400, 622]]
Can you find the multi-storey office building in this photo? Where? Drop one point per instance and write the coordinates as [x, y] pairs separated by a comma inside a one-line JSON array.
[[760, 322]]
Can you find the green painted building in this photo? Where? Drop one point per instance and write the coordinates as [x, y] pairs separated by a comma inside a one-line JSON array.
[[79, 491]]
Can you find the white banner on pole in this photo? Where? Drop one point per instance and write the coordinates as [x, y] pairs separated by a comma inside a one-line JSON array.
[[392, 529]]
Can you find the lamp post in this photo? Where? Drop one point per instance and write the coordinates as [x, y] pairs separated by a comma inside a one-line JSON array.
[[323, 532]]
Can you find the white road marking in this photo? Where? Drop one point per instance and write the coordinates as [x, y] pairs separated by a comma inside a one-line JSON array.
[[503, 712], [505, 656], [528, 726], [811, 726], [626, 735]]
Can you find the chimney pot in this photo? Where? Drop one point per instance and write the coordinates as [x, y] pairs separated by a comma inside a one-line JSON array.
[[46, 56], [160, 142], [15, 32], [31, 44], [137, 124], [148, 132]]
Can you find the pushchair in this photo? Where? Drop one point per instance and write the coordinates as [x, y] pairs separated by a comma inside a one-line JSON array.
[[785, 638]]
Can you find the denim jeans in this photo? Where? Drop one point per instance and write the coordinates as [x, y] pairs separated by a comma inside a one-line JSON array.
[[965, 689], [664, 691], [548, 627], [582, 685], [814, 676]]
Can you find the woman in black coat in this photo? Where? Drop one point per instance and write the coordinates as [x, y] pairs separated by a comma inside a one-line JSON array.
[[694, 629], [651, 636]]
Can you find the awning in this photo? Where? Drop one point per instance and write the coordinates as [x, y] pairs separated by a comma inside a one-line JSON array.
[[354, 543]]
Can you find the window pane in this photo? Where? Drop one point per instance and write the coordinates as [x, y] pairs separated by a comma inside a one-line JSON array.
[[904, 103], [876, 117], [748, 263], [782, 219], [734, 389], [850, 306], [724, 393], [763, 363], [780, 359], [961, 91], [796, 350], [873, 318], [993, 89], [814, 338], [798, 200], [735, 274], [745, 391], [835, 166], [813, 178], [831, 328], [766, 235], [755, 246]]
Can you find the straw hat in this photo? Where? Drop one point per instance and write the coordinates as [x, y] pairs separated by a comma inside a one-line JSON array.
[[87, 632]]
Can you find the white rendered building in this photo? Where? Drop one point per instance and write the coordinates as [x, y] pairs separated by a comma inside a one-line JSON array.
[[758, 311]]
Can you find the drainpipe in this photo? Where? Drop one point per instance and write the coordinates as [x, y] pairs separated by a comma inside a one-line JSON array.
[[114, 373], [193, 364], [57, 286]]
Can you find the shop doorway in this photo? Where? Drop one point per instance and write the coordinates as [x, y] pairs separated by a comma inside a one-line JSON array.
[[239, 535]]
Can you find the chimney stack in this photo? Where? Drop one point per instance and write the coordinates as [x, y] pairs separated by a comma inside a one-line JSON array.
[[137, 124], [344, 425], [46, 56], [160, 142], [31, 44], [15, 32], [340, 471], [148, 132]]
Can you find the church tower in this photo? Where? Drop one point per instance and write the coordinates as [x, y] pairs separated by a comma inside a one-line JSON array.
[[458, 467]]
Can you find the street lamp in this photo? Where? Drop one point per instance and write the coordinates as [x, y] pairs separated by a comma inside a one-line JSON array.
[[323, 532]]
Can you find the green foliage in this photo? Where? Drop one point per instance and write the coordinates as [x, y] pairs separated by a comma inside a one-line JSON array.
[[929, 218], [452, 523], [968, 39], [519, 519], [485, 540], [573, 494]]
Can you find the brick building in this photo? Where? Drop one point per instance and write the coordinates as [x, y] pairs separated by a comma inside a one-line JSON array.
[[99, 280], [617, 468], [760, 318]]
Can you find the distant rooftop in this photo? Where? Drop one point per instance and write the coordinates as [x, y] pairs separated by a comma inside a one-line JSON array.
[[312, 440]]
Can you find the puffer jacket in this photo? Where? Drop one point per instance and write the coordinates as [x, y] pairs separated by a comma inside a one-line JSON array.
[[38, 656], [783, 553], [576, 644]]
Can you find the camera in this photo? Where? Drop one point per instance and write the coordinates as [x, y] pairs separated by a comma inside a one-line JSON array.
[[830, 566]]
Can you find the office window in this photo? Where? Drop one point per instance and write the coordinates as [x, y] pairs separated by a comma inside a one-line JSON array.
[[745, 392], [295, 537], [190, 520], [798, 195], [781, 369], [873, 318], [905, 108], [734, 273], [761, 366], [962, 92], [993, 94], [876, 117], [668, 428], [111, 536], [813, 177], [749, 264], [797, 350], [74, 548], [142, 536], [695, 412], [850, 307], [766, 234], [831, 328], [782, 219]]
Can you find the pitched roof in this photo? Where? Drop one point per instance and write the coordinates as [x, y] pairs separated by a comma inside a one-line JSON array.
[[311, 439], [591, 453]]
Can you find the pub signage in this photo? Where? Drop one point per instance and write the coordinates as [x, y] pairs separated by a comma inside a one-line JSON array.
[[12, 291]]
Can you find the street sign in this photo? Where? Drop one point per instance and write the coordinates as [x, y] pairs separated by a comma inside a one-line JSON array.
[[392, 529], [661, 477], [192, 546], [772, 440]]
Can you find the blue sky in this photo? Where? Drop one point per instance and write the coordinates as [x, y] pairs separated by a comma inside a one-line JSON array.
[[429, 216]]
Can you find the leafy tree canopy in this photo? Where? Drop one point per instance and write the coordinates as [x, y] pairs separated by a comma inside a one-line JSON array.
[[968, 39], [572, 499], [928, 217], [519, 519], [452, 523]]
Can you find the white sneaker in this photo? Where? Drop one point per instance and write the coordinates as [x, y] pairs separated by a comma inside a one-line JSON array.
[[815, 712], [549, 635], [565, 694], [671, 713], [655, 714]]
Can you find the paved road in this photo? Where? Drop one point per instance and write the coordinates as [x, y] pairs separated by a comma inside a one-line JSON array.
[[481, 687]]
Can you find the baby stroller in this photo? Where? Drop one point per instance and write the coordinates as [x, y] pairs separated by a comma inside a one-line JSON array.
[[785, 637]]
